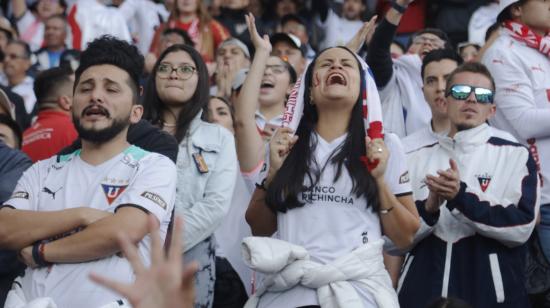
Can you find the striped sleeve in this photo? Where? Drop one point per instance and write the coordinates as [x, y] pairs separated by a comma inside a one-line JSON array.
[[510, 220]]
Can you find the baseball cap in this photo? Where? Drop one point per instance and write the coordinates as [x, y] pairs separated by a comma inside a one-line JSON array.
[[239, 79], [238, 43], [291, 39]]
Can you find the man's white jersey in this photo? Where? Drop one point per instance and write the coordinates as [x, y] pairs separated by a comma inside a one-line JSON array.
[[134, 178]]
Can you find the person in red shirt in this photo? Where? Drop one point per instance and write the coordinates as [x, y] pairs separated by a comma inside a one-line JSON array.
[[206, 33], [53, 129]]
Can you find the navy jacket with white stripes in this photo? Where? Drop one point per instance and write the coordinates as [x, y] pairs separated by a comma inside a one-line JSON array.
[[473, 248]]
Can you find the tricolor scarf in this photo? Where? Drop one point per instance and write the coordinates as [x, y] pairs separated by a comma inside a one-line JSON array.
[[372, 110], [522, 33]]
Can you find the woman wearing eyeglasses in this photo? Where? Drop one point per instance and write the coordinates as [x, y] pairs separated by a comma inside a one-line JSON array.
[[520, 62], [261, 103], [175, 98]]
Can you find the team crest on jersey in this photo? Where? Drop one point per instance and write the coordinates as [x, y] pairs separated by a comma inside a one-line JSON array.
[[112, 190], [484, 181]]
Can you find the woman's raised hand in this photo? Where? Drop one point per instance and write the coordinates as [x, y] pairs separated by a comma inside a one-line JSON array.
[[258, 41], [377, 151], [279, 147]]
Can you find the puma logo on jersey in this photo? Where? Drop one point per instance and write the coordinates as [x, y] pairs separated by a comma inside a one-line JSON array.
[[50, 192]]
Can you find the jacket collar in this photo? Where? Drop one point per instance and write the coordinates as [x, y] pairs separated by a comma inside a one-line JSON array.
[[467, 140]]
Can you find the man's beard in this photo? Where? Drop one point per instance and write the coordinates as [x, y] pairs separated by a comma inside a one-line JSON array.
[[102, 135]]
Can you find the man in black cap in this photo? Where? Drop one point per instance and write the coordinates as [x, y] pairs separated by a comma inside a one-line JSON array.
[[289, 48]]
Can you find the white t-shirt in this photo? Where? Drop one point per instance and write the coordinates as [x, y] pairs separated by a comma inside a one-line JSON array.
[[333, 221], [338, 31], [133, 178]]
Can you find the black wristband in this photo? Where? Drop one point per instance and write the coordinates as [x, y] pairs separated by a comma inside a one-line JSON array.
[[398, 7], [37, 255]]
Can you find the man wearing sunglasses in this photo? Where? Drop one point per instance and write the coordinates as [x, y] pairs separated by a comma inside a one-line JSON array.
[[477, 195]]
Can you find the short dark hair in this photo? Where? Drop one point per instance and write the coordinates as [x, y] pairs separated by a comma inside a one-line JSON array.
[[438, 55], [182, 33], [470, 67], [9, 122], [110, 50], [26, 49], [58, 16], [437, 32], [48, 83], [506, 14]]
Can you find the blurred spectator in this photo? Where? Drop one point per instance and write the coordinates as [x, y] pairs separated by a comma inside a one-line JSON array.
[[53, 130], [260, 104], [289, 48], [54, 42], [480, 21], [16, 65], [10, 133], [142, 17], [90, 19], [17, 105], [31, 23], [519, 59], [7, 33], [339, 30], [399, 81], [231, 56], [206, 33], [452, 17], [221, 112], [274, 11], [233, 277], [169, 37], [296, 25], [468, 51], [232, 17]]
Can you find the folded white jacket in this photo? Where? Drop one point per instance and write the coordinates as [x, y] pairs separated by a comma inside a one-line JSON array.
[[287, 265]]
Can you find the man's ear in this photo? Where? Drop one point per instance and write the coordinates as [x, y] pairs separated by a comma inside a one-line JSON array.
[[492, 111], [136, 113], [65, 102]]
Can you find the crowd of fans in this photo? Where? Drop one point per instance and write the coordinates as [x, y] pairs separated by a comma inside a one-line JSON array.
[[321, 153]]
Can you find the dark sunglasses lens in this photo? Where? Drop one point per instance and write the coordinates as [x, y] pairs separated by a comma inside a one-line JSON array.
[[460, 92], [484, 96]]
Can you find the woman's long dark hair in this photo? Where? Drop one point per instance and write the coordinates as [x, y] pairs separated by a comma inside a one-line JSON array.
[[154, 107], [288, 183]]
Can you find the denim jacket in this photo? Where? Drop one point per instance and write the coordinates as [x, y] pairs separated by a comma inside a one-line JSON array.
[[204, 189]]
